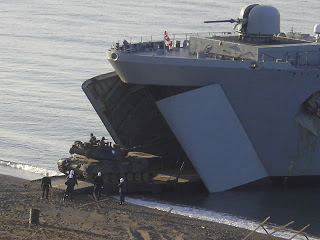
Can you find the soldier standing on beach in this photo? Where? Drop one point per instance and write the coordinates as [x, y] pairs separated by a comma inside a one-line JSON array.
[[98, 185], [71, 182], [122, 190], [45, 185]]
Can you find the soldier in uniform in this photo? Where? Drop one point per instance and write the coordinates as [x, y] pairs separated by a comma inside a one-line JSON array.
[[102, 142], [45, 185], [122, 190], [93, 139], [71, 182], [98, 185]]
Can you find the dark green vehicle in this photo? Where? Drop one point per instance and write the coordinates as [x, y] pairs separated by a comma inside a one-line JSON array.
[[112, 161]]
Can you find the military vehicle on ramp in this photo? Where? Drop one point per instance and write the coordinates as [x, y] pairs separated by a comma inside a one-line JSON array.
[[112, 161]]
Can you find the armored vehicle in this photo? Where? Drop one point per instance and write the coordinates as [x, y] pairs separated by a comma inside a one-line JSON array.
[[112, 161]]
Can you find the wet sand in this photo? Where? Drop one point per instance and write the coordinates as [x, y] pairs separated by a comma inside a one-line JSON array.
[[85, 218]]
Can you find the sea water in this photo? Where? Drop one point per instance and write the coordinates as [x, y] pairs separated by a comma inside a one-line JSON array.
[[49, 48]]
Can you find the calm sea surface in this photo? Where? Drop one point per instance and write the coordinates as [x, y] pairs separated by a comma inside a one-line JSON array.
[[49, 48]]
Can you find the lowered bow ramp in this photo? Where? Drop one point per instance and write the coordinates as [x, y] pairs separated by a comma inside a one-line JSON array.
[[212, 136]]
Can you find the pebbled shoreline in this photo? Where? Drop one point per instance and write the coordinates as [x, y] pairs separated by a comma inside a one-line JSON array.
[[85, 219]]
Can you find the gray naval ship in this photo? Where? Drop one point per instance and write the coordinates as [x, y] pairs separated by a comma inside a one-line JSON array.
[[237, 107]]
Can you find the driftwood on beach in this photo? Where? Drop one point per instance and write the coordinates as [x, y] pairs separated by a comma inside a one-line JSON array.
[[34, 216]]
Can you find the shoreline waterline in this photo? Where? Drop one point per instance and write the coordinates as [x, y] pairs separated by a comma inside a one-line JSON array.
[[194, 212]]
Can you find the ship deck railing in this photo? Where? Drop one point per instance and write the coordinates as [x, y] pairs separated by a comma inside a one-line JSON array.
[[178, 40], [173, 37], [295, 58], [156, 46]]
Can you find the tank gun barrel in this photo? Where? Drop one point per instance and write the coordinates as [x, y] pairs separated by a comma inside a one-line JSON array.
[[229, 20]]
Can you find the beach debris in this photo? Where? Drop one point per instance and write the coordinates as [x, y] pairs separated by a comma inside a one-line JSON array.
[[166, 214], [266, 226], [94, 201], [34, 216]]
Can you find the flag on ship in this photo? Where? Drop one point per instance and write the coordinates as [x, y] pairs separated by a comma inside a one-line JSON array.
[[167, 40]]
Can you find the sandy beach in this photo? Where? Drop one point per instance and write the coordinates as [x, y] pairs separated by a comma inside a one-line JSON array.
[[84, 218]]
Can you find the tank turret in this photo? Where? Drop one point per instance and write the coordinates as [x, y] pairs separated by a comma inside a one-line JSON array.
[[112, 161]]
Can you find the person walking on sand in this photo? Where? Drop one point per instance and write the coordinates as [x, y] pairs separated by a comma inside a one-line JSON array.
[[71, 182], [122, 190], [45, 185], [98, 185]]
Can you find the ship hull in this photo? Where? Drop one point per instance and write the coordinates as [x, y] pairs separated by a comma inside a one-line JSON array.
[[266, 98]]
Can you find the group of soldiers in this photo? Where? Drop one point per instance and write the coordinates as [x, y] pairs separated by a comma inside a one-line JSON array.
[[93, 140], [71, 181]]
